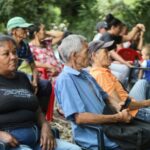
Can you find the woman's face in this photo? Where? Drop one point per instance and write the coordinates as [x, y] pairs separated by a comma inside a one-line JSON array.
[[116, 29], [41, 33], [102, 58], [8, 57]]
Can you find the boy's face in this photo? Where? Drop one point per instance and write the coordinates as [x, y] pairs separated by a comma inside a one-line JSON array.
[[145, 54]]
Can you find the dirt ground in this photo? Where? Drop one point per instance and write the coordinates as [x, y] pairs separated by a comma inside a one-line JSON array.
[[63, 125]]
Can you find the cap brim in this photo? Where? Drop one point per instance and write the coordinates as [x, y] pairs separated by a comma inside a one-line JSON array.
[[25, 25], [108, 44]]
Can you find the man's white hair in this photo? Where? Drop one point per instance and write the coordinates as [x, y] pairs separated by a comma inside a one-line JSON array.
[[70, 44]]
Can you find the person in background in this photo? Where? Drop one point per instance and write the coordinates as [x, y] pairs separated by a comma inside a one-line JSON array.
[[22, 123], [80, 97], [145, 74], [120, 68], [41, 48], [100, 59], [17, 27], [101, 27]]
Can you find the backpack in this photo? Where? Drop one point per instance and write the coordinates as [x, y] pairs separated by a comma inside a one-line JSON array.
[[130, 136]]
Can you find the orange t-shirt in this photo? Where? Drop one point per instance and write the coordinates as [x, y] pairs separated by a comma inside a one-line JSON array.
[[108, 82]]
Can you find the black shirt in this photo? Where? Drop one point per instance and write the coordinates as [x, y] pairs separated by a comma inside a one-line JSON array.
[[18, 104]]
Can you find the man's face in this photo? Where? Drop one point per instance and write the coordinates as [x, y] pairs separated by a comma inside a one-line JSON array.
[[102, 58], [8, 57], [20, 33], [81, 58]]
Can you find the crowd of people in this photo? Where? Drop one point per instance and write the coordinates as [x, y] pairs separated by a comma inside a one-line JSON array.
[[87, 78]]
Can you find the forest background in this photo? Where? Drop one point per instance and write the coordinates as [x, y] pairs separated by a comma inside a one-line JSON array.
[[77, 16]]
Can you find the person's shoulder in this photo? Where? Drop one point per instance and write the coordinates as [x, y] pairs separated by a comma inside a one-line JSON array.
[[106, 37], [21, 75], [63, 76]]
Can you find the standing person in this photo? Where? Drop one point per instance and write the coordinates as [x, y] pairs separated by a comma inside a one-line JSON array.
[[17, 27], [120, 69], [22, 124], [101, 28], [81, 99], [41, 48]]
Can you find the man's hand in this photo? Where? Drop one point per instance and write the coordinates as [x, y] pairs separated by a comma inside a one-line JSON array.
[[47, 141], [124, 116], [8, 138]]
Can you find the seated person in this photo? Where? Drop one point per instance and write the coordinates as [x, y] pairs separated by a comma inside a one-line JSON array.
[[100, 60], [80, 97], [42, 50], [17, 27], [22, 124]]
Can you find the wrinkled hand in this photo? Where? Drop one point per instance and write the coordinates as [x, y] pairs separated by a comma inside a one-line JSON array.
[[8, 138], [125, 116], [47, 140]]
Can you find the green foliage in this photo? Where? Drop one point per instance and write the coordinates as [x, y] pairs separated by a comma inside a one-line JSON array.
[[80, 16]]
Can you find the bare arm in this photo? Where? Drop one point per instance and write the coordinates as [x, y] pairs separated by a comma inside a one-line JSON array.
[[133, 32], [140, 43], [136, 105], [47, 141], [90, 118], [56, 35], [140, 75]]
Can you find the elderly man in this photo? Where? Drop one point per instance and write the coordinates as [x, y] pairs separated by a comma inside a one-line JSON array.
[[80, 97], [17, 27], [101, 61]]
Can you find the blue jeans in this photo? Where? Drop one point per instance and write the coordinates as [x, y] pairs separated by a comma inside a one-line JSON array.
[[29, 140], [61, 145], [144, 114]]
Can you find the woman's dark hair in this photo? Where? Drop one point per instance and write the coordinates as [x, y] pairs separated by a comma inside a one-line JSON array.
[[34, 28], [112, 21]]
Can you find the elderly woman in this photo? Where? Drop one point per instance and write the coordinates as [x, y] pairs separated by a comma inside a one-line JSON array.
[[42, 48], [81, 99], [20, 115], [100, 59]]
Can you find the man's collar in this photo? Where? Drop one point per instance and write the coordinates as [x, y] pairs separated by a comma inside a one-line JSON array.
[[70, 70]]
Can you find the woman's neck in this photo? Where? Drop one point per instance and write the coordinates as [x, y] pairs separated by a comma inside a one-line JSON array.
[[35, 42], [98, 66], [8, 75]]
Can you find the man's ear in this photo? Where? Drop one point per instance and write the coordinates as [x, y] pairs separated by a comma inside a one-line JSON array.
[[13, 31], [73, 56]]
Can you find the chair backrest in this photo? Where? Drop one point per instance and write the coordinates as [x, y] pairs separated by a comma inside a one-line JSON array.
[[129, 54], [49, 114], [43, 73]]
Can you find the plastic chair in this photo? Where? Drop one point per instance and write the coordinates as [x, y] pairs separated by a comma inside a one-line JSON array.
[[49, 114], [129, 54], [100, 137]]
